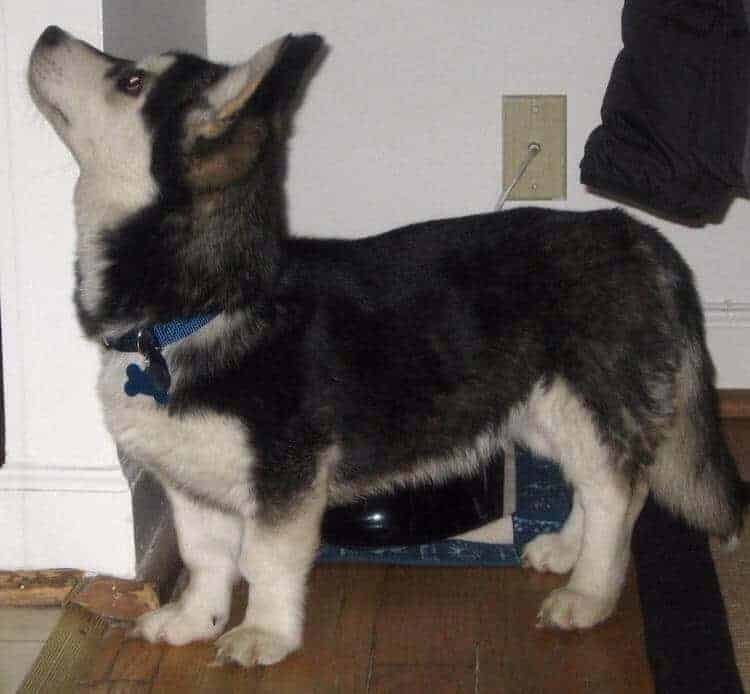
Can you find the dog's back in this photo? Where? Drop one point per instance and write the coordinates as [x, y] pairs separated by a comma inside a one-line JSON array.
[[475, 312]]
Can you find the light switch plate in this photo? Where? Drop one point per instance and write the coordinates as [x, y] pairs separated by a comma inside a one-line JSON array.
[[540, 119]]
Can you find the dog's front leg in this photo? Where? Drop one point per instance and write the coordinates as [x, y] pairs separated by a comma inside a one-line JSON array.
[[275, 559], [209, 543]]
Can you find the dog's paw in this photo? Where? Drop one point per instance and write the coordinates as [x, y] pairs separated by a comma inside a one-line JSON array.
[[550, 552], [248, 646], [568, 609], [177, 626]]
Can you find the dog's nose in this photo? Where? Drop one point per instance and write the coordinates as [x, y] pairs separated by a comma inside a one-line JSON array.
[[51, 36]]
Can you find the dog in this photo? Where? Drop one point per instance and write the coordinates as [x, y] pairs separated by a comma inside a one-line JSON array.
[[263, 377]]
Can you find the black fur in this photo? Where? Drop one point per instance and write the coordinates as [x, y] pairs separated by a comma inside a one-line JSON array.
[[399, 348]]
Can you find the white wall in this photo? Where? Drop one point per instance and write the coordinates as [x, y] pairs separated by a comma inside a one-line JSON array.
[[63, 499], [402, 122]]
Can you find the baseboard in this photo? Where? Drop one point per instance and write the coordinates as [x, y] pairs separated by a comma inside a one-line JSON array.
[[107, 596], [728, 336], [89, 529], [95, 519], [20, 477], [47, 588], [734, 403]]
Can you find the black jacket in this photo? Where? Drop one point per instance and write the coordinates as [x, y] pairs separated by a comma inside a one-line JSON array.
[[674, 133]]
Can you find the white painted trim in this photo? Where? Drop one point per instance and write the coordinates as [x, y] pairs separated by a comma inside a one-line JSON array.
[[57, 479], [90, 530], [731, 313]]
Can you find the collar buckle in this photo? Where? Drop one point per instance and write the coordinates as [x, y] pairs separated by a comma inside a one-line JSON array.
[[145, 344]]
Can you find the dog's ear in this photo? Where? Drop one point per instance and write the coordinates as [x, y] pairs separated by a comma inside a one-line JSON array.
[[223, 136], [265, 84]]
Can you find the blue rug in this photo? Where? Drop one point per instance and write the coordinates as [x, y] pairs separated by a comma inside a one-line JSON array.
[[540, 504]]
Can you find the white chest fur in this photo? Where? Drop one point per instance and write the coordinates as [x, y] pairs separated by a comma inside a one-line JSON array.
[[207, 454]]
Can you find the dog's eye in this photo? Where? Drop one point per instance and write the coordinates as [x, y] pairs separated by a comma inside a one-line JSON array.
[[131, 83]]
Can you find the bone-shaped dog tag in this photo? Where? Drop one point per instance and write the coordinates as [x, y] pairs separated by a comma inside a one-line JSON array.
[[154, 380]]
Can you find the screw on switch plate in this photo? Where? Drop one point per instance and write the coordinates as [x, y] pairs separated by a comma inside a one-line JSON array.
[[528, 120]]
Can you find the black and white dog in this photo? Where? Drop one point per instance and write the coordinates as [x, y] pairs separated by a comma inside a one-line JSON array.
[[263, 377]]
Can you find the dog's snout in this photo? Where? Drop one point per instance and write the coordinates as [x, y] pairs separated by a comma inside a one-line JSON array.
[[51, 36]]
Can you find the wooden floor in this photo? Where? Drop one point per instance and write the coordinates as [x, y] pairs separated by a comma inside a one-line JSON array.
[[382, 629], [390, 629]]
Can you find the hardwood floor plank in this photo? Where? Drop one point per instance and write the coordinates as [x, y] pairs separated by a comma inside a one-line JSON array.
[[513, 655], [137, 660], [107, 653], [516, 657], [356, 628], [342, 604], [128, 687], [435, 679], [94, 688], [734, 403], [737, 432], [190, 669], [428, 616]]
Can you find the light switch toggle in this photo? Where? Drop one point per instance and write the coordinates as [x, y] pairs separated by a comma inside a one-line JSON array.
[[533, 149]]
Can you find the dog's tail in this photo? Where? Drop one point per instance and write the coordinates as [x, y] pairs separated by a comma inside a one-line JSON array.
[[693, 473]]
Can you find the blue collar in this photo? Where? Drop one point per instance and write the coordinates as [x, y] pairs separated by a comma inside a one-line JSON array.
[[149, 341], [162, 334]]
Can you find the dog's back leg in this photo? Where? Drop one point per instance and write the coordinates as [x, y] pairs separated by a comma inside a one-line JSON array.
[[610, 506], [595, 542], [557, 552]]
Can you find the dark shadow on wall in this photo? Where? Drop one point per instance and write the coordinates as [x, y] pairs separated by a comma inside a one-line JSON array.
[[134, 29], [137, 28]]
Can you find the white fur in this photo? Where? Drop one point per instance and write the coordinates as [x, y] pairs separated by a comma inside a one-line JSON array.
[[106, 133], [209, 542], [101, 204], [115, 179], [463, 461], [556, 424], [557, 552], [275, 560], [206, 454]]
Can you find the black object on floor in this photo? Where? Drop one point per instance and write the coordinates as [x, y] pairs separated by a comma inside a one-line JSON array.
[[688, 642], [415, 516]]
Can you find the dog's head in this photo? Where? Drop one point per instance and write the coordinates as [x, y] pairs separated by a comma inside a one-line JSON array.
[[171, 141], [167, 116]]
